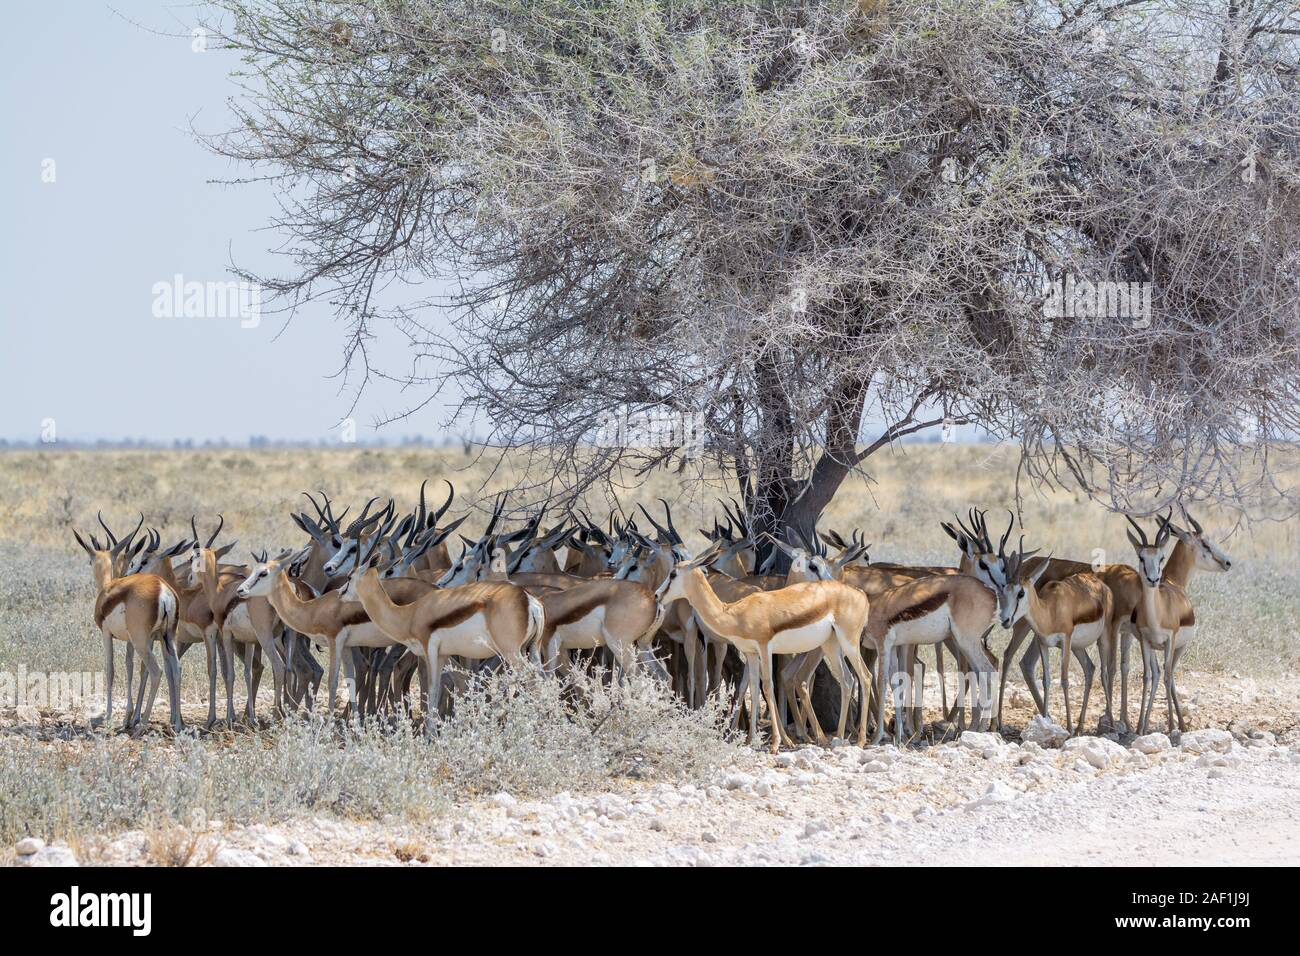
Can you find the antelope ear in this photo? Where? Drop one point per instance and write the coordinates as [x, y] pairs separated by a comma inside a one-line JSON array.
[[1137, 545], [1038, 572]]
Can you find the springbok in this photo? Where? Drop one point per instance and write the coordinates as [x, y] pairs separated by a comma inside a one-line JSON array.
[[136, 609], [929, 610], [1072, 614], [475, 621], [794, 620], [1166, 622]]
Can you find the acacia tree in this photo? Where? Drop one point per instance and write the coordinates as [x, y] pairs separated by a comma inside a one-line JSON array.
[[796, 218]]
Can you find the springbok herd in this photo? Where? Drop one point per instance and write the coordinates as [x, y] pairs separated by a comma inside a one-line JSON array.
[[386, 600]]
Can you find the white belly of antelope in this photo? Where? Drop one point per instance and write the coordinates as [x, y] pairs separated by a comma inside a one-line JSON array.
[[364, 635], [1085, 635], [240, 625], [930, 629], [583, 634], [469, 639], [795, 640], [115, 623]]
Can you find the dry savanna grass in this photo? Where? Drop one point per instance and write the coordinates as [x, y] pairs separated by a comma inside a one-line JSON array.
[[57, 779], [1251, 616]]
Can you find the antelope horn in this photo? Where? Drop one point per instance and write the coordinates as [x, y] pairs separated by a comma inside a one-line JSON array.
[[496, 516], [320, 519], [979, 521], [740, 520], [672, 528], [422, 513], [971, 536], [221, 523], [352, 528], [126, 542], [1139, 528], [660, 528], [1002, 545], [1163, 534], [112, 538]]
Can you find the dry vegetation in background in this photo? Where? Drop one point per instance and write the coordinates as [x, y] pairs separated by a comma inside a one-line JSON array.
[[535, 742]]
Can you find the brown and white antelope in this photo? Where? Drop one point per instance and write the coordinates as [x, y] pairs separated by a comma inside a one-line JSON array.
[[928, 610], [1166, 621], [137, 609], [1073, 614], [794, 620], [474, 621], [250, 623]]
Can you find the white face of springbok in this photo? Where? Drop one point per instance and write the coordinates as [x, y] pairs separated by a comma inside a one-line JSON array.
[[349, 590], [258, 582], [1152, 555], [139, 561], [1013, 596], [464, 570], [1208, 555], [673, 587], [196, 564], [344, 558]]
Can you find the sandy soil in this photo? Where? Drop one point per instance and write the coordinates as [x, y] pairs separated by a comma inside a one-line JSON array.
[[1225, 794]]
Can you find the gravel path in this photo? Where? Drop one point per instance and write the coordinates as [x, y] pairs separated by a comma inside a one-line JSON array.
[[1221, 796], [1214, 799]]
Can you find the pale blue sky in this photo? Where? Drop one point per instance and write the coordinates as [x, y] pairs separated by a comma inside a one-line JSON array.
[[112, 103], [109, 94]]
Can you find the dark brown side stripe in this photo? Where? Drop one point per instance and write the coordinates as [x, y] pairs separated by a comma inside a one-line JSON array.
[[456, 615], [815, 613], [108, 604], [1093, 613], [919, 609], [566, 607], [351, 613]]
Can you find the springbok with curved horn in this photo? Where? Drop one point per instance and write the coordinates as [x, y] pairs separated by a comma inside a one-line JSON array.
[[793, 620], [136, 609], [195, 623], [1193, 551], [1166, 623], [475, 621], [927, 610], [1072, 614], [251, 623]]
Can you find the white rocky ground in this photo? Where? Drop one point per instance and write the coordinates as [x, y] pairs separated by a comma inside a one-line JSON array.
[[1213, 797]]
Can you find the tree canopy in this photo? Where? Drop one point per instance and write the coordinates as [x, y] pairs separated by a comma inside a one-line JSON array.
[[1071, 224]]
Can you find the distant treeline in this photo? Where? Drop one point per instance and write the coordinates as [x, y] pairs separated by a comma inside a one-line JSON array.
[[254, 441], [405, 441]]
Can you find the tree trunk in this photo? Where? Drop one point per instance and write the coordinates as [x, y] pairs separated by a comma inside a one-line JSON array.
[[786, 505]]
